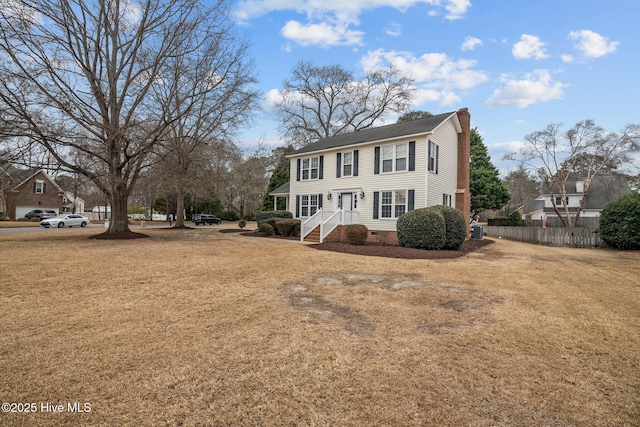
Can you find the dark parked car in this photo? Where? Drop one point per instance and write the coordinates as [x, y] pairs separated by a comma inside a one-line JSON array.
[[202, 219], [41, 214]]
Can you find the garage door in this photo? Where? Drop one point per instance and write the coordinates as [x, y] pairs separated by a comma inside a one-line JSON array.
[[21, 211]]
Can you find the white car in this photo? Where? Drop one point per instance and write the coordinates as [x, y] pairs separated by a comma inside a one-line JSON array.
[[65, 220]]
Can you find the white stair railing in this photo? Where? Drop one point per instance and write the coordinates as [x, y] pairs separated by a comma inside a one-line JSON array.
[[330, 224], [310, 223]]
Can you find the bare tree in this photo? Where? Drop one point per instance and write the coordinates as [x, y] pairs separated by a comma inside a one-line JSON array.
[[555, 155], [211, 94], [77, 75], [521, 185], [322, 101]]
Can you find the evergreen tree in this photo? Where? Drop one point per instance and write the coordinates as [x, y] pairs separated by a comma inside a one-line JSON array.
[[280, 176], [487, 190], [413, 115]]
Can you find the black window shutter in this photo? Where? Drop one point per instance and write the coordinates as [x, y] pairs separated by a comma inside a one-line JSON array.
[[44, 187], [410, 200], [437, 154], [355, 162], [298, 170], [319, 200], [376, 203], [376, 160], [34, 186], [321, 167], [412, 155], [298, 205], [338, 164]]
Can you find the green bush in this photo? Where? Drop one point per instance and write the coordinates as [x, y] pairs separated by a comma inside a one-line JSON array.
[[286, 227], [356, 233], [229, 215], [456, 227], [242, 223], [515, 220], [36, 219], [262, 215], [265, 227], [272, 223], [620, 222], [422, 229]]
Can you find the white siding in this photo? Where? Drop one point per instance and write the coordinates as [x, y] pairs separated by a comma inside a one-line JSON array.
[[446, 180], [368, 182]]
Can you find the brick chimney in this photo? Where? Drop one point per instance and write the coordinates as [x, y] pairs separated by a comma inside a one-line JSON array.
[[463, 194]]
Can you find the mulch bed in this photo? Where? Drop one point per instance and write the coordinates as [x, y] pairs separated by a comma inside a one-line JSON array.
[[123, 235], [389, 251]]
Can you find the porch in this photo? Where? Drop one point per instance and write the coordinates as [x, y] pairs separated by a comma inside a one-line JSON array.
[[318, 226]]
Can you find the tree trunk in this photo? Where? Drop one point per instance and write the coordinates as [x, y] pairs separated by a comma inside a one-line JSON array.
[[179, 204], [119, 222]]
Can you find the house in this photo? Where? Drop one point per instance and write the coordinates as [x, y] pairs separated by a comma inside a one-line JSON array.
[[23, 190], [603, 189], [374, 175]]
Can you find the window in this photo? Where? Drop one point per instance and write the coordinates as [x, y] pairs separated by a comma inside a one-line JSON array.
[[308, 205], [559, 201], [446, 199], [394, 158], [347, 164], [39, 187], [432, 157], [393, 203], [310, 168]]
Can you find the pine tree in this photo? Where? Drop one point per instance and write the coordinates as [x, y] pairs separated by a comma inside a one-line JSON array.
[[487, 190]]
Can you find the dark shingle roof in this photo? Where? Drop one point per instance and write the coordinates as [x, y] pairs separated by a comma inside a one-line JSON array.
[[428, 124]]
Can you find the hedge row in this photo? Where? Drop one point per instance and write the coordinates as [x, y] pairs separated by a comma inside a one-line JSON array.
[[285, 227], [262, 215]]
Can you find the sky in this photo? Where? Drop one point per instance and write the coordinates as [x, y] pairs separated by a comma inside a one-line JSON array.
[[516, 65]]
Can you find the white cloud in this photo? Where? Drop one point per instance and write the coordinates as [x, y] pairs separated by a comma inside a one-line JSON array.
[[330, 22], [567, 58], [457, 8], [394, 29], [592, 44], [470, 43], [529, 47], [322, 34], [533, 88], [437, 76]]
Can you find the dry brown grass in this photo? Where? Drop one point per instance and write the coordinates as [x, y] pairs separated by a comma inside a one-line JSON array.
[[197, 328]]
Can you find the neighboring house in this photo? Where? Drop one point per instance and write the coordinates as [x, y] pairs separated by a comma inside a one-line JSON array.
[[24, 190], [374, 175], [603, 190]]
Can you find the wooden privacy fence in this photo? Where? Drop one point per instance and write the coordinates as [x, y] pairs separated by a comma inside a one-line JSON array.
[[575, 237]]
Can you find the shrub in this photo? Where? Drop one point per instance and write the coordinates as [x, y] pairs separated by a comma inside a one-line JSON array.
[[356, 233], [272, 223], [229, 215], [262, 215], [265, 227], [456, 227], [242, 223], [514, 220], [620, 222], [422, 229], [36, 219], [286, 227]]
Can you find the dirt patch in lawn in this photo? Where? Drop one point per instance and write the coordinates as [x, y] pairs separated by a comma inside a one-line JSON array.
[[205, 328]]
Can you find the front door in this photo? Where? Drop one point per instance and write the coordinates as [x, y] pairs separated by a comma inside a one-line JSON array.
[[348, 205]]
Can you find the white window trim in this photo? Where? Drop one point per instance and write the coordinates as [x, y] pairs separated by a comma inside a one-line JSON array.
[[393, 203], [432, 149], [343, 164], [310, 168], [394, 158], [309, 205], [39, 186]]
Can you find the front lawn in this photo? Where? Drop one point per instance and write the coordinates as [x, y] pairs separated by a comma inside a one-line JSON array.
[[197, 327]]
